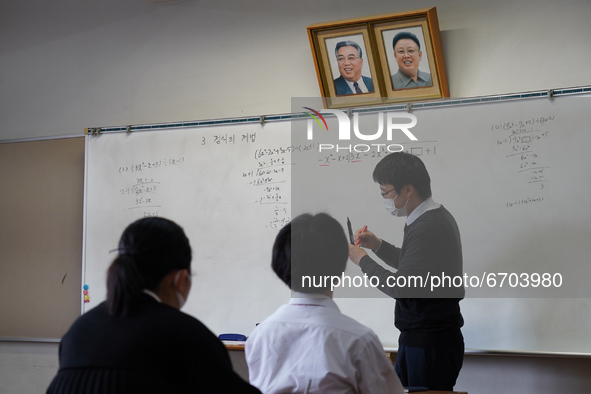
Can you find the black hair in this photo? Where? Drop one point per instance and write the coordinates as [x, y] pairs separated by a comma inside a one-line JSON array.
[[149, 249], [348, 44], [312, 246], [399, 169], [405, 34]]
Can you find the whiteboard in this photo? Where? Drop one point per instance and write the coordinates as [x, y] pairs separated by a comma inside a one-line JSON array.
[[514, 175]]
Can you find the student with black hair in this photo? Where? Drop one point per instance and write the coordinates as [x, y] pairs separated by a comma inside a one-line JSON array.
[[308, 344], [138, 340], [431, 345]]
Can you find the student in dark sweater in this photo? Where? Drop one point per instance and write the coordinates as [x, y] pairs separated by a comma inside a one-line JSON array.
[[431, 345]]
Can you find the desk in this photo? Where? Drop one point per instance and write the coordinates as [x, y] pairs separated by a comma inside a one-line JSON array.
[[443, 392], [239, 345], [242, 369], [234, 345]]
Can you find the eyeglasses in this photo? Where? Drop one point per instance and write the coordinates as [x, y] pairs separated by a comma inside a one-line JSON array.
[[410, 52], [352, 58], [384, 194]]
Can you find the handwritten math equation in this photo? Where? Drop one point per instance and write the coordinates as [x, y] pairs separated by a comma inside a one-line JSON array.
[[280, 217], [142, 192], [284, 150], [150, 165], [523, 143], [142, 186], [521, 124], [425, 149], [270, 175], [143, 196]]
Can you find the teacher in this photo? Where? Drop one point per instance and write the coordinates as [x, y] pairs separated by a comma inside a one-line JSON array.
[[431, 345]]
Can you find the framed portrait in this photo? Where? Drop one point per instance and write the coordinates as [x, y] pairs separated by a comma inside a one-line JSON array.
[[411, 59], [346, 67], [398, 55]]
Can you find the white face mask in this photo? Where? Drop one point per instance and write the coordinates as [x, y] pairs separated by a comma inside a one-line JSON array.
[[179, 297], [390, 207]]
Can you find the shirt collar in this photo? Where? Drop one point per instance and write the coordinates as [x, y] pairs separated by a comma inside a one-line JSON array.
[[312, 300], [152, 294], [425, 206], [360, 83], [406, 79]]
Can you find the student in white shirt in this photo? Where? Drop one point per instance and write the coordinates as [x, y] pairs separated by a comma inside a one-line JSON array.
[[308, 343]]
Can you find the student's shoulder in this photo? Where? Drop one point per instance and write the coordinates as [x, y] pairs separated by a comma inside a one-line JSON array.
[[180, 327], [344, 323], [280, 316], [168, 315], [97, 313], [275, 326], [362, 339], [434, 217]]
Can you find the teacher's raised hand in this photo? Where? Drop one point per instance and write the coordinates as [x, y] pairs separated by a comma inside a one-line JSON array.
[[367, 239]]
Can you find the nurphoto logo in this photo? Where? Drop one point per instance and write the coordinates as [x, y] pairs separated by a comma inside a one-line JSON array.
[[344, 132]]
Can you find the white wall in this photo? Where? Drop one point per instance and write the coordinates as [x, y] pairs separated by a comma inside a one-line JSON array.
[[66, 64], [70, 64]]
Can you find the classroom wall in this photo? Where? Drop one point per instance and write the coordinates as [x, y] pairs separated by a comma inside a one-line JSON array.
[[66, 64], [69, 64]]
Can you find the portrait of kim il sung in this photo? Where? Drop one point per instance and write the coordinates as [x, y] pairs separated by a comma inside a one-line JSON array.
[[350, 69]]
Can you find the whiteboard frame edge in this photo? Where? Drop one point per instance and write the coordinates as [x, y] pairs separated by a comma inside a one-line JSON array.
[[23, 339], [84, 221]]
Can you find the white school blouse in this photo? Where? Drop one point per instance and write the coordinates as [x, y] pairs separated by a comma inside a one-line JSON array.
[[310, 340]]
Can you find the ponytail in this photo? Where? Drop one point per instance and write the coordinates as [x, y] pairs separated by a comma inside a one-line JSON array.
[[124, 285]]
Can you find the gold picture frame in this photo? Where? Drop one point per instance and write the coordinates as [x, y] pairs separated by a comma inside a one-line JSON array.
[[416, 73]]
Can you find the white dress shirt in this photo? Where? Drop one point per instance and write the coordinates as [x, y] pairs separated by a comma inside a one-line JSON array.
[[423, 207], [309, 340], [360, 83]]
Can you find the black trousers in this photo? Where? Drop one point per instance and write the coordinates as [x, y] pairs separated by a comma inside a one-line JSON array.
[[436, 368]]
